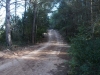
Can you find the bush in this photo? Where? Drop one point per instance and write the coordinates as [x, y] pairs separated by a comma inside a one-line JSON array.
[[85, 56]]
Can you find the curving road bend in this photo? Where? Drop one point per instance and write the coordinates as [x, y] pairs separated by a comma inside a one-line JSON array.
[[41, 61]]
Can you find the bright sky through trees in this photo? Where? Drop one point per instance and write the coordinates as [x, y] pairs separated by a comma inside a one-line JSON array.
[[54, 9], [20, 10]]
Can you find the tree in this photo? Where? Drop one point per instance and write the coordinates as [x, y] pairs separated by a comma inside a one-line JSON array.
[[34, 20], [8, 29], [81, 19], [15, 9], [36, 5]]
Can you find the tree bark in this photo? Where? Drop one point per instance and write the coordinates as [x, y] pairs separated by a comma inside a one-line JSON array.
[[25, 6], [34, 23], [24, 22], [8, 31], [15, 10], [92, 25]]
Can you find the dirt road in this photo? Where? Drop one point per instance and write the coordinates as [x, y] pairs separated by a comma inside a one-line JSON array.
[[43, 60]]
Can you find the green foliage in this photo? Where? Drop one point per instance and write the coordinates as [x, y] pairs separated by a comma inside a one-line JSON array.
[[22, 29], [16, 29], [63, 20], [42, 24], [86, 55], [79, 21], [97, 28], [2, 35], [27, 22]]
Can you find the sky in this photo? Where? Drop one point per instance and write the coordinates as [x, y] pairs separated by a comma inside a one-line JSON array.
[[54, 9], [2, 15], [20, 11]]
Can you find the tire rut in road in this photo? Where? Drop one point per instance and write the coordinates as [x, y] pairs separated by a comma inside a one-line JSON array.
[[11, 66], [48, 60]]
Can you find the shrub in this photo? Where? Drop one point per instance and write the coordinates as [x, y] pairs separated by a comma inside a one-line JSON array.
[[85, 56]]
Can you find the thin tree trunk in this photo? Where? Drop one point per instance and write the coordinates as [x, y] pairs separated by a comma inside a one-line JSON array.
[[34, 23], [8, 31], [25, 6], [24, 22], [92, 25], [15, 9]]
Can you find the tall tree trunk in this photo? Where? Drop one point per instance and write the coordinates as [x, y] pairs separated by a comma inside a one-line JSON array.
[[24, 21], [34, 23], [92, 25], [8, 31], [15, 9], [25, 6]]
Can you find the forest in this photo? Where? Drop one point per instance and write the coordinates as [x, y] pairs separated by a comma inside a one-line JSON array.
[[77, 20]]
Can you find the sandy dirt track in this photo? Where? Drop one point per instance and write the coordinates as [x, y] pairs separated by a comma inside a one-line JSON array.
[[41, 61]]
